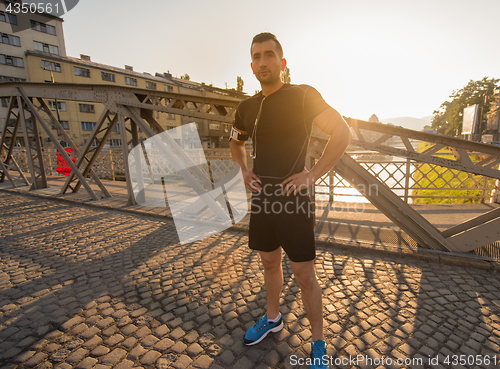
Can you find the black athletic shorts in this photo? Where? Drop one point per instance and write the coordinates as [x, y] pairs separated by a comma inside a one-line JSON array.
[[279, 220]]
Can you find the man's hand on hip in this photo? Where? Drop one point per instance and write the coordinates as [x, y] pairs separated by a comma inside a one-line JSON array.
[[252, 181], [297, 182]]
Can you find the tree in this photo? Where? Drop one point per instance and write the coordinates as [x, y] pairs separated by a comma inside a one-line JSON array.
[[448, 118], [285, 76], [186, 77], [239, 84]]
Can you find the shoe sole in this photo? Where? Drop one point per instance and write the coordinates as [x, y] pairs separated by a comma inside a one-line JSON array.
[[274, 330]]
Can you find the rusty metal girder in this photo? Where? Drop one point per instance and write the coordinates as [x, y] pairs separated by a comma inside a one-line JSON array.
[[210, 108], [462, 149]]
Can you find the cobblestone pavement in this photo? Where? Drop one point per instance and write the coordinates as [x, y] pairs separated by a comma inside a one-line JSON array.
[[89, 288]]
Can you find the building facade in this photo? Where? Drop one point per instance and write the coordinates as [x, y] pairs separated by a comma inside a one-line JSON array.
[[79, 118], [33, 50], [22, 32]]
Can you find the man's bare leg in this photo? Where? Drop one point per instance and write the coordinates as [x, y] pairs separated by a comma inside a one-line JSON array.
[[305, 276], [273, 279]]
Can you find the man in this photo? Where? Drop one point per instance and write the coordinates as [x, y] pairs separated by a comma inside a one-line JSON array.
[[279, 121]]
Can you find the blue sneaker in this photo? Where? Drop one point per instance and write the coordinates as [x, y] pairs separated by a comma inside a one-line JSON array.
[[261, 329], [318, 353]]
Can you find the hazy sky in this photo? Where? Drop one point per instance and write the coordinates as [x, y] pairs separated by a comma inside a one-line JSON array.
[[388, 57]]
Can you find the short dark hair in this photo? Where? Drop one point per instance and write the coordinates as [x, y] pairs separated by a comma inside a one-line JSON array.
[[266, 36]]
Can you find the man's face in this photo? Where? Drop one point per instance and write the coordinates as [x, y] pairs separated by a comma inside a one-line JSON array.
[[266, 62]]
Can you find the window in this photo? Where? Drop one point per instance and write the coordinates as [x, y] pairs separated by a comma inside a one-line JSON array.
[[10, 40], [46, 48], [214, 126], [151, 85], [131, 81], [170, 116], [107, 76], [87, 108], [48, 65], [11, 60], [116, 127], [115, 142], [9, 18], [168, 88], [82, 72], [42, 27], [95, 142], [5, 102], [64, 124], [88, 126], [11, 79], [61, 105]]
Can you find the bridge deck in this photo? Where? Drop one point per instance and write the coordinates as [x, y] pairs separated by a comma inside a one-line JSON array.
[[340, 222], [86, 287]]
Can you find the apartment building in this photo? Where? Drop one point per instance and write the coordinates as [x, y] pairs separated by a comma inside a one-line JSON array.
[[80, 118], [33, 50], [21, 32]]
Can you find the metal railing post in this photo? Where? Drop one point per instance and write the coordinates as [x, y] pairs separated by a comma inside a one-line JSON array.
[[407, 180]]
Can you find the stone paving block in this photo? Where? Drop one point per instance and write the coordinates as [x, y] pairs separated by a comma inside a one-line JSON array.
[[194, 350], [177, 333], [202, 362], [77, 355], [93, 342], [178, 347], [99, 351], [67, 366], [136, 352], [161, 331], [25, 356], [182, 362], [87, 363], [104, 323], [129, 342], [124, 364]]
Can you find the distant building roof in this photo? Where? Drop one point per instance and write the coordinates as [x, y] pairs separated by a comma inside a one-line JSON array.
[[163, 78]]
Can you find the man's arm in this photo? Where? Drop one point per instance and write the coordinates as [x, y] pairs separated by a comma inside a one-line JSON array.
[[252, 181], [332, 123]]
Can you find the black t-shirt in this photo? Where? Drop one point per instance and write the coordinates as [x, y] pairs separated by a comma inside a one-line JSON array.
[[283, 129]]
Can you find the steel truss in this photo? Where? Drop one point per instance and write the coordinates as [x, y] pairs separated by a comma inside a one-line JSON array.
[[373, 136], [133, 108]]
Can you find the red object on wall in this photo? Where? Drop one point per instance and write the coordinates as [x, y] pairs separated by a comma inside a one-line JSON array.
[[62, 166]]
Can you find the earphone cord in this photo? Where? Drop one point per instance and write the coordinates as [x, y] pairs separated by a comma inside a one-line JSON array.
[[254, 132]]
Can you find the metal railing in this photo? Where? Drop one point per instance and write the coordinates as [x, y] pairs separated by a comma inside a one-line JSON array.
[[412, 181]]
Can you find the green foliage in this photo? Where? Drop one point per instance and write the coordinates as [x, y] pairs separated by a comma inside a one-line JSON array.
[[448, 119], [456, 187], [186, 77], [239, 84], [285, 76]]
